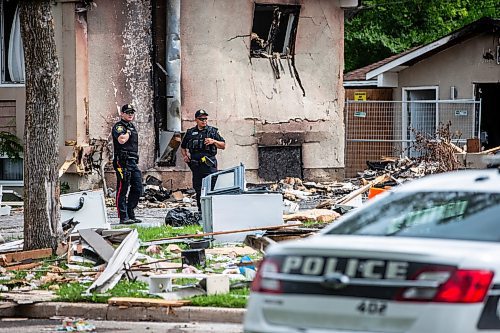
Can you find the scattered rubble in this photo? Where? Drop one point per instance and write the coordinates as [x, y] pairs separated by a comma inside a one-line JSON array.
[[101, 256], [76, 325]]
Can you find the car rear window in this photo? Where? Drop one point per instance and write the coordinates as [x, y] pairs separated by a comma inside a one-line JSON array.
[[450, 215]]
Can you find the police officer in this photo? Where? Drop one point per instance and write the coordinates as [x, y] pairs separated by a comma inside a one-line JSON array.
[[125, 160], [199, 147]]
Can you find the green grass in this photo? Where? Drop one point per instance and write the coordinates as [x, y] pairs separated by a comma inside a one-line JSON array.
[[237, 298], [72, 292], [147, 234], [185, 281]]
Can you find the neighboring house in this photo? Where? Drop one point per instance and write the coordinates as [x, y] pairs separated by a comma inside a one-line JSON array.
[[454, 79], [267, 72]]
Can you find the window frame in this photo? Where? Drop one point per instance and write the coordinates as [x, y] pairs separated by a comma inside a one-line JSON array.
[[290, 30], [19, 182]]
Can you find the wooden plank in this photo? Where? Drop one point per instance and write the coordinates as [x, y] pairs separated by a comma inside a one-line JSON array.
[[492, 150], [231, 231], [99, 244], [146, 302], [7, 258], [65, 166], [23, 266], [363, 189]]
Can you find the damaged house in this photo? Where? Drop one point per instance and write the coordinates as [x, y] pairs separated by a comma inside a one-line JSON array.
[[454, 80], [269, 73]]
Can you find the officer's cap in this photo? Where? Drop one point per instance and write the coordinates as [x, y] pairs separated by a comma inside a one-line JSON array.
[[128, 108], [200, 113]]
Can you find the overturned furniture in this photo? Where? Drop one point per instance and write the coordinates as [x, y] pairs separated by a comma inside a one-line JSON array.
[[226, 204]]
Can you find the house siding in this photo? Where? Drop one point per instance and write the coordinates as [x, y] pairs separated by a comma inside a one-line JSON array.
[[460, 65]]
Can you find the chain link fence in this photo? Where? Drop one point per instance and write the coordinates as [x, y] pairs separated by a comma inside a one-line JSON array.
[[375, 129]]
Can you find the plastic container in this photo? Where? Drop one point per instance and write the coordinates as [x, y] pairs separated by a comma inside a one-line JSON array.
[[200, 244], [375, 191]]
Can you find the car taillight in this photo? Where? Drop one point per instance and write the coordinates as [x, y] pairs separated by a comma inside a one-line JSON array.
[[457, 286], [261, 283], [465, 286]]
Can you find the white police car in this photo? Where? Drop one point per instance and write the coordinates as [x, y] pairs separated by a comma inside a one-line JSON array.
[[424, 258]]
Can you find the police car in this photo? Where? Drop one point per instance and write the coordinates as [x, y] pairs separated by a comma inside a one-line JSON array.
[[422, 258]]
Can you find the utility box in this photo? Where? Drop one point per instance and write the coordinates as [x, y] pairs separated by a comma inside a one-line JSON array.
[[227, 205]]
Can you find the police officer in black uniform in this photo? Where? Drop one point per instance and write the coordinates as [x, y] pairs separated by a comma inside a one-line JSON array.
[[199, 147], [125, 160]]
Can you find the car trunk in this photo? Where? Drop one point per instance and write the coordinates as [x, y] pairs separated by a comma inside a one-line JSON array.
[[354, 283]]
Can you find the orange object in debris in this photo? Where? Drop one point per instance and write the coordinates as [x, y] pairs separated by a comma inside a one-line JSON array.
[[375, 191]]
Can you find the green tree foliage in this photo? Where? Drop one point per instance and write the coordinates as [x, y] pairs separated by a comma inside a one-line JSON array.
[[10, 145], [380, 28]]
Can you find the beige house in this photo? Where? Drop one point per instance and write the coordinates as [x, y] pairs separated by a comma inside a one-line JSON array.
[[455, 79], [269, 73]]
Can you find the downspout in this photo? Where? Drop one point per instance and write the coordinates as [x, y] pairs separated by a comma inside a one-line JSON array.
[[173, 66], [171, 137]]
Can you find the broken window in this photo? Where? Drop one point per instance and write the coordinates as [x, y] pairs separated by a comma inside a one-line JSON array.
[[279, 162], [274, 29]]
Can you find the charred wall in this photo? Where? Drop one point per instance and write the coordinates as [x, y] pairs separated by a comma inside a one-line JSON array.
[[120, 49], [258, 101]]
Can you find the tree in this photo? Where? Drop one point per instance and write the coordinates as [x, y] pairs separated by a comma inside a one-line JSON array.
[[42, 226], [380, 28]]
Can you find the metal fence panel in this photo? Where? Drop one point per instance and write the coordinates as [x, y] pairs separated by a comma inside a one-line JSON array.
[[387, 128]]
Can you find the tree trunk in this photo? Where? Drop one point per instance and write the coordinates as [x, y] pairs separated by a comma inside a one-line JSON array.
[[42, 226]]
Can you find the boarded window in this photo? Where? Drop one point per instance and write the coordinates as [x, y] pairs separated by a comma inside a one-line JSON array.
[[274, 29], [8, 116], [279, 162]]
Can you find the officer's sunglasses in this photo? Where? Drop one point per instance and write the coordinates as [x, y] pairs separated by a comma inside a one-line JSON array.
[[202, 119]]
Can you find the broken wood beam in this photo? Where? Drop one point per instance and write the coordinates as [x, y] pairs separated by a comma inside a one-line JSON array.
[[363, 189], [146, 302], [231, 231], [12, 257], [174, 265], [65, 166], [22, 267], [491, 150]]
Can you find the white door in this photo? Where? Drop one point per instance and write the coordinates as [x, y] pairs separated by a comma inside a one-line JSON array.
[[419, 115]]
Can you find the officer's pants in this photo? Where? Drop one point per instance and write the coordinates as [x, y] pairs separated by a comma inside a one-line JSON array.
[[200, 170], [128, 179]]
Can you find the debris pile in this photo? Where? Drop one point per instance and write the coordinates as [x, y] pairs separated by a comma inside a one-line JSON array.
[[76, 325], [99, 257]]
